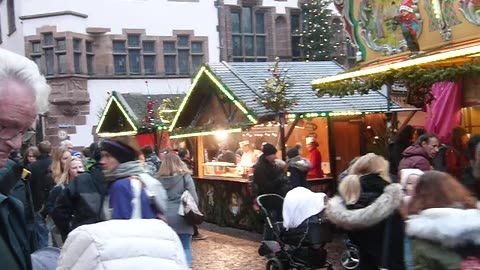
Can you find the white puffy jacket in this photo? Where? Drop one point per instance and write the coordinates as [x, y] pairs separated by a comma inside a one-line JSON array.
[[121, 245]]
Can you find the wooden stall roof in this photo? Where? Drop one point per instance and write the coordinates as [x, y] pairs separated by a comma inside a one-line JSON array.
[[241, 81], [125, 112]]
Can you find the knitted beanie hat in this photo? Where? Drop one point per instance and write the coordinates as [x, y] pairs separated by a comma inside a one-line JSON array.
[[269, 149], [121, 152]]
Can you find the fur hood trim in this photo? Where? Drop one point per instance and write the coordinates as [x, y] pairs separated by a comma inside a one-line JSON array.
[[451, 227], [366, 217]]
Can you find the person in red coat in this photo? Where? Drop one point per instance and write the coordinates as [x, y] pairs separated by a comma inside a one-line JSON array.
[[315, 159]]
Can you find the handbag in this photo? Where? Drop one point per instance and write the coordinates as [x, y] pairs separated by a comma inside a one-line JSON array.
[[189, 208]]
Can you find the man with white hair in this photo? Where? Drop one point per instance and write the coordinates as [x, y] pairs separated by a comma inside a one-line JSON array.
[[24, 93]]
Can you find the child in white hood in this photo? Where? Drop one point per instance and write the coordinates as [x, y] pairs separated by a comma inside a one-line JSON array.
[[408, 180]]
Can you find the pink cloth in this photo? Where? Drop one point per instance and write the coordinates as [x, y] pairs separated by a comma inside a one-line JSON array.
[[444, 113]]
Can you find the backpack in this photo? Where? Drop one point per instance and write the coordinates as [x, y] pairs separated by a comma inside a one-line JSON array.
[[439, 162]]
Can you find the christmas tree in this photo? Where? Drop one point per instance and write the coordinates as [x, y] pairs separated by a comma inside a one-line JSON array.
[[317, 33]]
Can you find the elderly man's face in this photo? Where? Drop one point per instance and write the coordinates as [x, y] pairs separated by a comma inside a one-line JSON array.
[[17, 113]]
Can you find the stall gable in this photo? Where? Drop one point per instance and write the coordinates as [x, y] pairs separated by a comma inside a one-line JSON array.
[[208, 93], [115, 120]]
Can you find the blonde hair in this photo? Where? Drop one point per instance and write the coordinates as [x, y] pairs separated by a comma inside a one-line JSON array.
[[65, 177], [173, 165], [370, 163], [350, 189], [57, 167]]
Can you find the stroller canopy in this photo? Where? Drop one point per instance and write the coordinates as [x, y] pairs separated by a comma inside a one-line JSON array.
[[299, 204]]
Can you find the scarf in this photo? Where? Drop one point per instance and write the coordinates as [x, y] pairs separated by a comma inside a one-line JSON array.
[[125, 170]]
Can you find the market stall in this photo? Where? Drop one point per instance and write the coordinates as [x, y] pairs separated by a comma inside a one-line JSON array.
[[134, 114], [223, 124]]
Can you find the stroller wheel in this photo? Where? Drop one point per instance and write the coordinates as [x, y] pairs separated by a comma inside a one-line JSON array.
[[350, 258], [274, 264]]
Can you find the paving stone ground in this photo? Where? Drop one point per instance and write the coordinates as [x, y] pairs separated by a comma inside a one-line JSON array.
[[233, 249]]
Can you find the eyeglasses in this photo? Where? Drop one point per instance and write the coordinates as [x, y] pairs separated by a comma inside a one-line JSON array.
[[8, 133]]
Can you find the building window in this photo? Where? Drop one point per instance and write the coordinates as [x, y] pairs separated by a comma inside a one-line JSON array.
[[119, 57], [134, 54], [170, 56], [296, 32], [36, 55], [248, 35], [149, 57], [186, 54], [48, 39], [11, 17], [90, 55], [77, 55], [183, 43], [197, 55], [0, 28], [61, 53]]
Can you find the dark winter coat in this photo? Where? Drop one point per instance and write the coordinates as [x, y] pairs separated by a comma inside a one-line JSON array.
[[471, 183], [367, 221], [395, 151], [153, 164], [298, 168], [443, 238], [80, 202], [14, 240], [415, 157], [41, 181], [268, 178]]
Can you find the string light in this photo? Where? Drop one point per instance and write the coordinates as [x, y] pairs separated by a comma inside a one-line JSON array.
[[113, 100], [204, 71]]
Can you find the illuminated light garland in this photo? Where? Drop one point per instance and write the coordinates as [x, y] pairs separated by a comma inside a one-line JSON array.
[[399, 65], [115, 134], [203, 70], [104, 114], [206, 133], [184, 102]]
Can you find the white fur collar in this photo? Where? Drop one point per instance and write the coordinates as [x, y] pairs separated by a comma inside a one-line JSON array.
[[366, 217], [449, 226]]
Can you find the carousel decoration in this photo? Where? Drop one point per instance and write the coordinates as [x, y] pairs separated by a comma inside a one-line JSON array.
[[471, 10], [378, 21], [409, 25]]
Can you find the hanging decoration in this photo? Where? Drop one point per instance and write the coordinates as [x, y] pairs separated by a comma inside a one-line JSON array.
[[317, 32], [417, 79]]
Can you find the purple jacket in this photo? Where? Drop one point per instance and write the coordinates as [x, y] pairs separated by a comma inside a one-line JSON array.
[[415, 157]]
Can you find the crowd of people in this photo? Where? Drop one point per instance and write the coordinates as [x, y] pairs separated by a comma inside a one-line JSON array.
[[56, 201], [418, 211]]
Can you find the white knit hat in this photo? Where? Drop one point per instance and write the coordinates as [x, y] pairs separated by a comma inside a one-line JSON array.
[[405, 173]]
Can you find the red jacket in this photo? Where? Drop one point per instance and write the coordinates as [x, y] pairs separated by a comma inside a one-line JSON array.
[[316, 160]]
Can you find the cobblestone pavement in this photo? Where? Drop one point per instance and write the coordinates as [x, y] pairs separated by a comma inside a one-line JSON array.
[[233, 249]]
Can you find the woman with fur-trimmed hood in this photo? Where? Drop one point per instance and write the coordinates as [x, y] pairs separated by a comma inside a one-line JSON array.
[[443, 224], [368, 209]]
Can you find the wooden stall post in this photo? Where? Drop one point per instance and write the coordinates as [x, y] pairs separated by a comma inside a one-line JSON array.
[[200, 156]]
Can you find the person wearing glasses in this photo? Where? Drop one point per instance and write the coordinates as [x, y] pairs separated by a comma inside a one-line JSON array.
[[24, 93]]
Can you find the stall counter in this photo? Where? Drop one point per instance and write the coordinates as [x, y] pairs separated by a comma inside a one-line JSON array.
[[229, 201]]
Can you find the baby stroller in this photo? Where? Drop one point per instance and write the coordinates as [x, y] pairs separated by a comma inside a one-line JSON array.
[[301, 248]]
